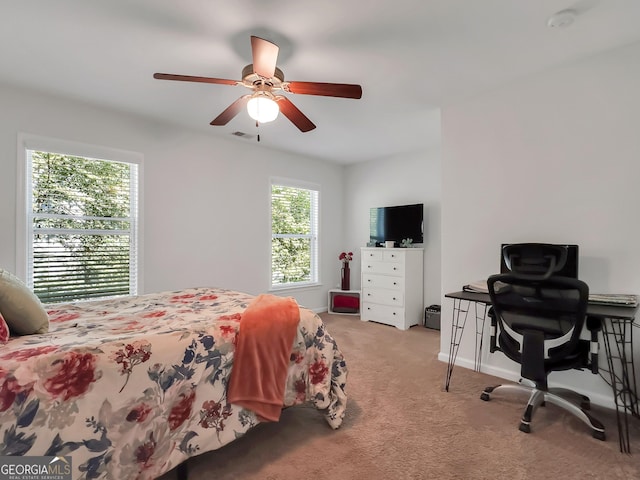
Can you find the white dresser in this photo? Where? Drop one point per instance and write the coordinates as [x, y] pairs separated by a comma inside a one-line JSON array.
[[392, 286]]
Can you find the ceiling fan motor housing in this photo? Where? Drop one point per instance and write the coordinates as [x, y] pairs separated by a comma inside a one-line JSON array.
[[252, 78]]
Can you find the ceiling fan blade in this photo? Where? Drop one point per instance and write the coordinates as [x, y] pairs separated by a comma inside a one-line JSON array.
[[265, 56], [190, 78], [343, 90], [292, 112], [231, 111]]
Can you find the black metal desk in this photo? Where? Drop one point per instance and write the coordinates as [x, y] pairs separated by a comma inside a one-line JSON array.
[[617, 336]]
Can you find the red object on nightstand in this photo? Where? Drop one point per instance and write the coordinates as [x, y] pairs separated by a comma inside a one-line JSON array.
[[346, 301]]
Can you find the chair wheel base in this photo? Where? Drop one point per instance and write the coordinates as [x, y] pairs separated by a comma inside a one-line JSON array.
[[539, 398]]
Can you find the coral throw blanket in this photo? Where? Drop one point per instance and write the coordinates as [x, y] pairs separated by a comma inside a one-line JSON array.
[[267, 329]]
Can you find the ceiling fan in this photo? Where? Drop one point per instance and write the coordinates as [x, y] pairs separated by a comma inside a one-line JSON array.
[[267, 81]]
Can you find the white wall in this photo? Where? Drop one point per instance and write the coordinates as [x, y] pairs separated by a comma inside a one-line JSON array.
[[552, 158], [405, 179], [206, 199]]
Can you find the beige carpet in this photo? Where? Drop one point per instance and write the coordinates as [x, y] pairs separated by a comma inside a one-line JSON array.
[[401, 424]]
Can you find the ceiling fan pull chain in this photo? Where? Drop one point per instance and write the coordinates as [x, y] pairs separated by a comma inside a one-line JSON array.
[[258, 128]]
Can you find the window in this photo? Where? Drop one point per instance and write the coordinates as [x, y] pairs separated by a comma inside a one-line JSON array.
[[294, 234], [81, 221]]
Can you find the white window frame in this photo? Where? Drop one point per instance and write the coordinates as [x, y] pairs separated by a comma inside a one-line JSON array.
[[27, 142], [315, 242]]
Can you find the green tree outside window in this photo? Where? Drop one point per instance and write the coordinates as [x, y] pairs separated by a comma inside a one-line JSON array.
[[294, 235], [82, 222]]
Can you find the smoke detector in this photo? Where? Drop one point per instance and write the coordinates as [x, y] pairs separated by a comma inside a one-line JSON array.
[[562, 19]]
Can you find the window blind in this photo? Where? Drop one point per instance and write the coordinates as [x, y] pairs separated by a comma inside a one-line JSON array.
[[83, 223], [294, 235]]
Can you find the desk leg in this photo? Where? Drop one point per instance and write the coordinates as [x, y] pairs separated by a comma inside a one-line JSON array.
[[618, 338], [480, 321], [457, 329], [458, 322]]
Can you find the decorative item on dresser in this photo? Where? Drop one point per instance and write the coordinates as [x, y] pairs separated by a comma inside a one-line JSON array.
[[392, 286]]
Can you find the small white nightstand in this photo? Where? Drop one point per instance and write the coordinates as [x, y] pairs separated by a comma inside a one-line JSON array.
[[335, 292]]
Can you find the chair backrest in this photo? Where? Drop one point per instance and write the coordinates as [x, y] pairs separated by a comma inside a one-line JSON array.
[[535, 260], [553, 309]]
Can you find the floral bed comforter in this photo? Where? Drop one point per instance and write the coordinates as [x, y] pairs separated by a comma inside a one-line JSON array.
[[131, 387]]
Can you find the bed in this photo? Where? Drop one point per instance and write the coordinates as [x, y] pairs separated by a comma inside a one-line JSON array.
[[131, 387]]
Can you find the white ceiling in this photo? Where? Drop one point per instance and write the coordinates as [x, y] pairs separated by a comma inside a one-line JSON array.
[[410, 56]]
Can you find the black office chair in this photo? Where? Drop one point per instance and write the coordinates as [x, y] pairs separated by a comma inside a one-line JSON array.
[[536, 320]]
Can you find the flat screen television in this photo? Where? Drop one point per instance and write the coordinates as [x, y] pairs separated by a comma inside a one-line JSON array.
[[569, 269], [396, 224]]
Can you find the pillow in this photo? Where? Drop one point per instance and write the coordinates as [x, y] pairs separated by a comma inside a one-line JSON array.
[[20, 308], [4, 331]]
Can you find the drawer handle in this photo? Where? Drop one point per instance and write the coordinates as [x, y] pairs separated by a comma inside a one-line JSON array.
[[368, 294], [394, 268], [395, 283], [368, 266], [394, 313], [393, 256], [394, 298], [368, 280]]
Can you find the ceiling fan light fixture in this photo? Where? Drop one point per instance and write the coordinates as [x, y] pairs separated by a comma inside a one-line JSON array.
[[262, 108]]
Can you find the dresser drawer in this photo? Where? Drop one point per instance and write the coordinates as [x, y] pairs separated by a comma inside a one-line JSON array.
[[383, 296], [382, 281], [384, 268], [393, 256], [372, 255], [388, 315]]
